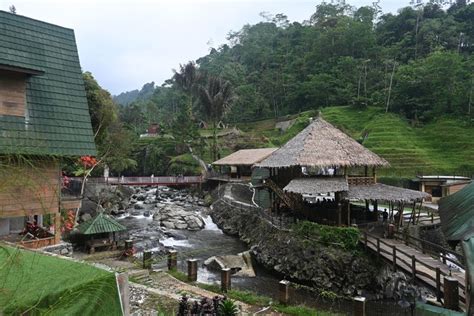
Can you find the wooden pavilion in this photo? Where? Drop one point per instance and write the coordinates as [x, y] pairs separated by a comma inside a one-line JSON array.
[[239, 164], [320, 171], [101, 231]]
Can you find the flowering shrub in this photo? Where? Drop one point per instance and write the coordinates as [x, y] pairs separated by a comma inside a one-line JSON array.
[[68, 220], [84, 165]]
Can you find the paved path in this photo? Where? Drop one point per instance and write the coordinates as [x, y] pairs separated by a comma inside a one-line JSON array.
[[406, 258]]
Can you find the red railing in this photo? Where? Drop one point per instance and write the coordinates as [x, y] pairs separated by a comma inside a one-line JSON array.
[[160, 180]]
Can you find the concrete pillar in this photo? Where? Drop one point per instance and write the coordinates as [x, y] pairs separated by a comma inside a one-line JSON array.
[[359, 306], [172, 260], [284, 292], [192, 270], [147, 260], [451, 293], [225, 280]]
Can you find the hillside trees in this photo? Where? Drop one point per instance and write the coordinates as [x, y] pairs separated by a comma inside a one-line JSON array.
[[113, 141]]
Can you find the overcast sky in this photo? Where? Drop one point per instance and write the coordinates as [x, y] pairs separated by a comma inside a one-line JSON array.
[[126, 43]]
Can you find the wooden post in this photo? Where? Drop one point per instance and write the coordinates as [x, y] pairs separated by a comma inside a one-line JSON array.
[[339, 211], [413, 267], [147, 260], [365, 239], [284, 292], [124, 292], [451, 293], [172, 260], [438, 284], [192, 270], [359, 306], [57, 227], [378, 246], [348, 214], [128, 244], [225, 280], [394, 257]]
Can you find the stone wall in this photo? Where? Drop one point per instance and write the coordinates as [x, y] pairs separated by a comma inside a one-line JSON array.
[[326, 268]]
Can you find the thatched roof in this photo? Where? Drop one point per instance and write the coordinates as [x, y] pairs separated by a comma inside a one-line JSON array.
[[322, 145], [383, 192], [245, 157], [317, 185], [457, 214]]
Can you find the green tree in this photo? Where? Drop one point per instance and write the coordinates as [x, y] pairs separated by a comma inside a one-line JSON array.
[[216, 97]]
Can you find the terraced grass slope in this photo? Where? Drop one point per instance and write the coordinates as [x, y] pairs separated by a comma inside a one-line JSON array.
[[445, 146]]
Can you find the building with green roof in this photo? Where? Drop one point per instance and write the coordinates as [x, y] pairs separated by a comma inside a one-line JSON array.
[[456, 212], [44, 117]]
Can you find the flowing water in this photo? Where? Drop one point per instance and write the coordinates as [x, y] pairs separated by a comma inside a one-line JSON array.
[[211, 241]]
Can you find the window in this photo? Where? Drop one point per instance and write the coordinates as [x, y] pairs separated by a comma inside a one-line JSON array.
[[12, 93]]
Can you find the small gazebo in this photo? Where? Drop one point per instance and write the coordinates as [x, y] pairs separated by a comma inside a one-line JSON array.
[[101, 231]]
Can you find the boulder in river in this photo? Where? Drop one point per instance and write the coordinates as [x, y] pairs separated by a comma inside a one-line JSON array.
[[241, 264], [175, 217]]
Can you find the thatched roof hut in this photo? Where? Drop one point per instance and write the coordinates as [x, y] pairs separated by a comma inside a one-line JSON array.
[[245, 157], [322, 145], [317, 185], [382, 192]]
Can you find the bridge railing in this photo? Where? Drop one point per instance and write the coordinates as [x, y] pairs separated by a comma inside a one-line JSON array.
[[412, 266], [163, 180], [434, 250]]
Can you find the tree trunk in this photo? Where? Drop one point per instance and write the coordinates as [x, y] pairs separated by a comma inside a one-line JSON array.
[[390, 87]]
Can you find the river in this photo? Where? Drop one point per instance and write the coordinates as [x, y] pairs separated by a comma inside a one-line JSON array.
[[211, 241]]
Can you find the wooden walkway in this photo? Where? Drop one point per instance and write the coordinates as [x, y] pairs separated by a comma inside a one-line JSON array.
[[422, 266]]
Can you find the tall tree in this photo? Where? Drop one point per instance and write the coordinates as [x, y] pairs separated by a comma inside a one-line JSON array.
[[216, 97]]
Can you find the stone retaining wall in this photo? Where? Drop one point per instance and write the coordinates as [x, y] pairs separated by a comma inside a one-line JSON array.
[[326, 268]]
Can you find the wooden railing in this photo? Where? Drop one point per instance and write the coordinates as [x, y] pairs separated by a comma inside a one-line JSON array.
[[354, 180], [433, 279], [281, 194], [434, 250]]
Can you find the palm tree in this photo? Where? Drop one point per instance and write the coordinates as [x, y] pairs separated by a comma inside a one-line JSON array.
[[186, 80], [216, 97]]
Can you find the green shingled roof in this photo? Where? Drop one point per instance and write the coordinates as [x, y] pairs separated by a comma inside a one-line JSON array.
[[101, 223], [457, 214], [57, 120]]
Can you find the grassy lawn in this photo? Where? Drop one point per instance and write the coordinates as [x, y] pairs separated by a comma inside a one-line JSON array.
[[40, 284]]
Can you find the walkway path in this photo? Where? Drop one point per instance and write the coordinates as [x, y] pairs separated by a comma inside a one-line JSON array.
[[425, 268]]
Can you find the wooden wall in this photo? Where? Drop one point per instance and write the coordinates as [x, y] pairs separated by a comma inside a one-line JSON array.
[[12, 93], [29, 189]]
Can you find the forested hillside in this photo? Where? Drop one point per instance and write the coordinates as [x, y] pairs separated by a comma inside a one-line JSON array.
[[404, 81], [417, 63]]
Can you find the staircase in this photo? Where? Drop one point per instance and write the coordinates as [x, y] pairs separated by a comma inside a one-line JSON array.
[[291, 203]]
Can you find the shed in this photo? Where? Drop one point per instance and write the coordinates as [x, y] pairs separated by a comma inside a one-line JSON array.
[[101, 231]]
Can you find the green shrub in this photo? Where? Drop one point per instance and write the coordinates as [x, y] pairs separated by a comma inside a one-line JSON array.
[[228, 308], [343, 237]]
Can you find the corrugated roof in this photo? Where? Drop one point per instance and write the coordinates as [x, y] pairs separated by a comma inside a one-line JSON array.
[[101, 223], [57, 120], [457, 214], [322, 145], [317, 185], [383, 192], [246, 157]]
